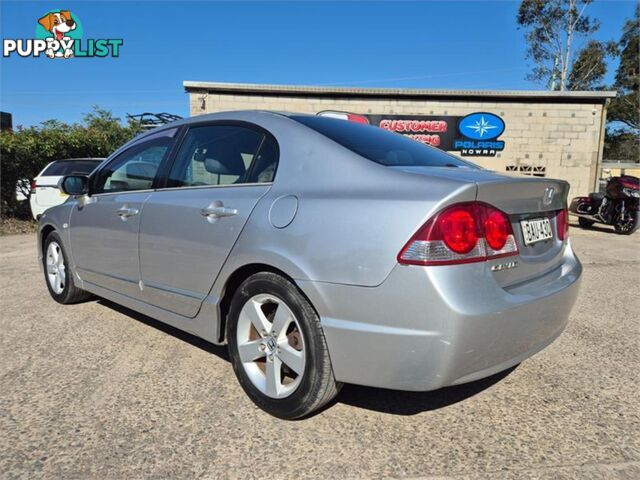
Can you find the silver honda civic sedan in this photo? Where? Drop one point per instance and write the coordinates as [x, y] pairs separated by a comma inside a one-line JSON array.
[[322, 251]]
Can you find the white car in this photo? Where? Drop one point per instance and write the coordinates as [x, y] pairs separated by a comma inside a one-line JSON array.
[[44, 188]]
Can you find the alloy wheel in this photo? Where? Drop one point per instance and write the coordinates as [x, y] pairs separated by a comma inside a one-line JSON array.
[[56, 271], [271, 345], [625, 225]]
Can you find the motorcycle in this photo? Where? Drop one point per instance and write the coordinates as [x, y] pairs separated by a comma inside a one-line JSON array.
[[617, 206]]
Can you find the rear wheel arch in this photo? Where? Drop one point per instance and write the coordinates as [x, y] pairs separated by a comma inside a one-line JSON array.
[[234, 281], [278, 349]]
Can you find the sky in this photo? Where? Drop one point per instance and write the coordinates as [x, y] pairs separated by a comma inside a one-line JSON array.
[[429, 44]]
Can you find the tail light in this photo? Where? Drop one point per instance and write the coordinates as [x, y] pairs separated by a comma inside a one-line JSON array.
[[33, 185], [352, 117], [462, 233], [562, 224]]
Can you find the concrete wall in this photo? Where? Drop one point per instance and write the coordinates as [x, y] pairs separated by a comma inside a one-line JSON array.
[[565, 138]]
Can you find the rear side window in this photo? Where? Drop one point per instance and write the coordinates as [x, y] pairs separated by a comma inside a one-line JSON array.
[[265, 163], [380, 146], [222, 155], [71, 167]]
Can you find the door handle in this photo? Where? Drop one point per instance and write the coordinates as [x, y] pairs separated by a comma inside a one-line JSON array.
[[126, 212], [218, 212]]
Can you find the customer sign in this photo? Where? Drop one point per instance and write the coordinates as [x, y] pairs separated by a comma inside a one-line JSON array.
[[436, 131]]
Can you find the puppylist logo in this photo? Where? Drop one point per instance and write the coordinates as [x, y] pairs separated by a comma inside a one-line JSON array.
[[59, 34]]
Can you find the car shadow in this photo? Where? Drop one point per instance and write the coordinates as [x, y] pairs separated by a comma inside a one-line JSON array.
[[595, 228], [218, 350], [397, 402], [392, 402]]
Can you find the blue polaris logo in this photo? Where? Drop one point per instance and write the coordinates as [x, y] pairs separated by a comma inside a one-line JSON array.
[[481, 126]]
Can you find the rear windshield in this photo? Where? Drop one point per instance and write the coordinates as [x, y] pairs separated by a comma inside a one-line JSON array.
[[71, 167], [381, 146]]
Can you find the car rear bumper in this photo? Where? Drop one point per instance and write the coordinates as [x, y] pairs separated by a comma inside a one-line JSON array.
[[425, 328]]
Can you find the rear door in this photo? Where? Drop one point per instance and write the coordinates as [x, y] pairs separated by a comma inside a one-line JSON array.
[[105, 226], [189, 227]]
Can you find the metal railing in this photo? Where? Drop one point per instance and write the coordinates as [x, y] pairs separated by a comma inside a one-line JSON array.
[[151, 120]]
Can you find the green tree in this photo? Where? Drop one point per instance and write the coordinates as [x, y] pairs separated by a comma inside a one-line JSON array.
[[553, 29], [625, 108], [590, 66], [25, 152], [621, 145], [623, 133]]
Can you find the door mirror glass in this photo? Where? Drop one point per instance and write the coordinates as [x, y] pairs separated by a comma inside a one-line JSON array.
[[74, 185]]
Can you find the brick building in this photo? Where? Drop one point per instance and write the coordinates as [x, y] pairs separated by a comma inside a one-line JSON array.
[[553, 134]]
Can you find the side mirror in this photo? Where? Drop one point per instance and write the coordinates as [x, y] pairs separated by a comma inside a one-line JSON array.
[[74, 185]]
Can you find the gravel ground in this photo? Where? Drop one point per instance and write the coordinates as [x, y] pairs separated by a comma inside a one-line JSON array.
[[12, 226], [97, 391]]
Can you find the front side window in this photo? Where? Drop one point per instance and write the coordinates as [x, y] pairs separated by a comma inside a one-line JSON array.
[[221, 155], [134, 169]]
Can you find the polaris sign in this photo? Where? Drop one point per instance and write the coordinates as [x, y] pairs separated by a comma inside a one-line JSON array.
[[480, 132]]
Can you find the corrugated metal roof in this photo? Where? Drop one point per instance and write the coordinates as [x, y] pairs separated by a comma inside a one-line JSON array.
[[309, 90]]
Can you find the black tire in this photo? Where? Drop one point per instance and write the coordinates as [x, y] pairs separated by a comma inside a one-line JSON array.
[[585, 222], [626, 227], [70, 293], [317, 386]]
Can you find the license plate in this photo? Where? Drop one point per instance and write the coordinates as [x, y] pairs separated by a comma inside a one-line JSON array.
[[536, 230]]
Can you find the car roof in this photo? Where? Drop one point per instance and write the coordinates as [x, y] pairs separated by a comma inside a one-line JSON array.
[[237, 115], [251, 116], [94, 159]]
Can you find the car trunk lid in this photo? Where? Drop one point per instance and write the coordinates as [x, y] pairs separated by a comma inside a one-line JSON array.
[[529, 202], [532, 204]]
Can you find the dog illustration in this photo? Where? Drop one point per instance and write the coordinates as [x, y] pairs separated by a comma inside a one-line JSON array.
[[58, 24]]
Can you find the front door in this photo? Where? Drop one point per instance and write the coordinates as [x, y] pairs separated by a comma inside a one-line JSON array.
[[189, 228], [105, 225]]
